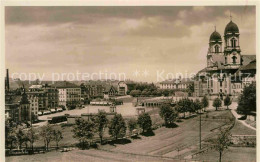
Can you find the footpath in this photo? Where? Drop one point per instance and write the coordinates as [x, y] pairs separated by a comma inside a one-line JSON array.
[[236, 115]]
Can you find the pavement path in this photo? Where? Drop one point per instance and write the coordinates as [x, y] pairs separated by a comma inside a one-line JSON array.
[[233, 108]]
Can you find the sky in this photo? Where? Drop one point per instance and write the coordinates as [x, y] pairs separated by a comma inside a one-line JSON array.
[[139, 43]]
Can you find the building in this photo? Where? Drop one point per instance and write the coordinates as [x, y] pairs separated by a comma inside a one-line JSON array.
[[176, 84], [36, 92], [52, 95], [24, 108], [219, 78], [17, 108], [122, 88], [85, 95], [69, 94], [33, 99], [110, 91], [12, 103], [94, 89], [248, 73]]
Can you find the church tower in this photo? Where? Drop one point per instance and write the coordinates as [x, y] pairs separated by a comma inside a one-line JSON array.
[[232, 47], [215, 47]]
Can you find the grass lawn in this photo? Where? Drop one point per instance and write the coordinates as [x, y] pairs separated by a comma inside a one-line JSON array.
[[237, 154], [173, 143], [240, 129], [85, 155]]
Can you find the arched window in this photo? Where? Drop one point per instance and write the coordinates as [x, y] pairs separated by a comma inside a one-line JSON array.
[[216, 49], [225, 60], [234, 59], [233, 42]]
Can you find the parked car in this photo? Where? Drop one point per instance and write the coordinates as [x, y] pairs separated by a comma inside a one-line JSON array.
[[53, 111], [46, 112], [59, 109], [40, 113]]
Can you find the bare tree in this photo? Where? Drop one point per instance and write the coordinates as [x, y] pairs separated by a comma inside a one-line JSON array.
[[46, 134], [32, 137], [222, 141], [57, 136]]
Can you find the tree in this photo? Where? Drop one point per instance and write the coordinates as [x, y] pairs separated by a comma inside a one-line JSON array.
[[145, 122], [10, 135], [181, 107], [84, 131], [20, 136], [144, 93], [185, 105], [190, 89], [34, 117], [227, 101], [168, 114], [148, 93], [159, 92], [117, 127], [57, 136], [190, 105], [154, 93], [132, 124], [247, 100], [205, 102], [197, 105], [101, 122], [135, 93], [32, 137], [217, 103], [222, 141], [166, 93], [46, 134]]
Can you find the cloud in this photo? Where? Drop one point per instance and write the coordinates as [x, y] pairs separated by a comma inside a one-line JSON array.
[[65, 39], [156, 27], [93, 14]]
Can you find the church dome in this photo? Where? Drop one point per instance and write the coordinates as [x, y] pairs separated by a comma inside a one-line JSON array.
[[215, 36], [231, 28]]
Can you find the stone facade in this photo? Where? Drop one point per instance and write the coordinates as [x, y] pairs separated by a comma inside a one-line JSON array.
[[220, 77]]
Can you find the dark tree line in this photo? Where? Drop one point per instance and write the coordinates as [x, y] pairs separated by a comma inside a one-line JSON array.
[[85, 130], [18, 137]]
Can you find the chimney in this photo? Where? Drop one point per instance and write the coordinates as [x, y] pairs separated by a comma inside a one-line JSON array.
[[7, 81]]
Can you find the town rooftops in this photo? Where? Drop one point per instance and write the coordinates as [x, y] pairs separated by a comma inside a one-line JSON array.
[[246, 59], [13, 99], [108, 88], [219, 60], [249, 67], [176, 81], [64, 84]]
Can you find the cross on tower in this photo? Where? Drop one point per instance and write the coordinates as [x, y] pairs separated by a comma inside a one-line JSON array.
[[230, 17], [215, 27]]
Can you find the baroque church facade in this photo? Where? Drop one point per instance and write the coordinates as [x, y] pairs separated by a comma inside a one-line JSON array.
[[222, 76]]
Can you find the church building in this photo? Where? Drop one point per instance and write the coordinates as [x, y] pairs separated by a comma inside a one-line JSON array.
[[224, 60]]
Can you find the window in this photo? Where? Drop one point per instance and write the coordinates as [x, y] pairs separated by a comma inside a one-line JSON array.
[[216, 49], [225, 60], [234, 58], [233, 42]]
